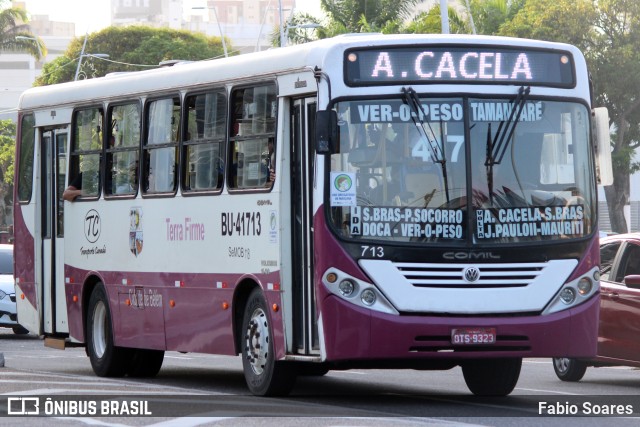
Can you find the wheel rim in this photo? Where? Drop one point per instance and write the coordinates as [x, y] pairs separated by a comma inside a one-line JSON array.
[[257, 346], [562, 364], [99, 336]]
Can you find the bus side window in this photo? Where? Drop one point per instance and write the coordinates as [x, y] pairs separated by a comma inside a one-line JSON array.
[[161, 146], [252, 127], [203, 146], [86, 151], [123, 149], [25, 163]]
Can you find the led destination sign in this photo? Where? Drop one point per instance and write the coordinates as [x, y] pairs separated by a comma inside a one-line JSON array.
[[458, 64]]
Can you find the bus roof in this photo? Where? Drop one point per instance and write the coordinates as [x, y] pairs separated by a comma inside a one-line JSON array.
[[325, 54]]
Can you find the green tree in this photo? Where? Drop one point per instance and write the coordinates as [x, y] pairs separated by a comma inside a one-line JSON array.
[[13, 24], [7, 155], [355, 16], [430, 22], [294, 33], [130, 49], [490, 15], [608, 32], [568, 21], [615, 66]]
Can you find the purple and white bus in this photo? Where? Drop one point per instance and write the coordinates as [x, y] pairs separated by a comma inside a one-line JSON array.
[[367, 201]]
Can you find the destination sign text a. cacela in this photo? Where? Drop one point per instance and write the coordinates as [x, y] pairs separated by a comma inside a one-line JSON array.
[[459, 64]]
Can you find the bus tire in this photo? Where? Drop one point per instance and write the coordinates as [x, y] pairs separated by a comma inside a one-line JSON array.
[[312, 370], [20, 330], [107, 360], [492, 377], [568, 369], [264, 375], [145, 363]]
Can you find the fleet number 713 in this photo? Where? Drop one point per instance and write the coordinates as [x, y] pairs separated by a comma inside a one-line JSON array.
[[372, 251]]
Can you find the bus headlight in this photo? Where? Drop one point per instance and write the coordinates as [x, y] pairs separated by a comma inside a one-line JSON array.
[[567, 295], [575, 292], [347, 287], [356, 291], [584, 286], [368, 297]]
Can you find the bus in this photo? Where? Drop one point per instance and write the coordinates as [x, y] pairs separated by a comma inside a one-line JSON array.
[[366, 201]]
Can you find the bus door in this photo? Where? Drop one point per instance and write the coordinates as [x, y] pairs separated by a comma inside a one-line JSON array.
[[53, 145], [302, 175]]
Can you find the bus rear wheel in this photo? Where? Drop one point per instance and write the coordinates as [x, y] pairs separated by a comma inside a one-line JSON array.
[[568, 369], [312, 370], [264, 375], [107, 360], [492, 377]]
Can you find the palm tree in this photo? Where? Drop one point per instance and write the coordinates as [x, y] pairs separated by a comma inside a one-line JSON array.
[[299, 28], [15, 35], [490, 15], [365, 15]]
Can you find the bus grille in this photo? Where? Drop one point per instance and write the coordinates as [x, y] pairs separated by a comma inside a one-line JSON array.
[[432, 275]]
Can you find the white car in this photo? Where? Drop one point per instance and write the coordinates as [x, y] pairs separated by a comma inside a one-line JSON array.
[[8, 318]]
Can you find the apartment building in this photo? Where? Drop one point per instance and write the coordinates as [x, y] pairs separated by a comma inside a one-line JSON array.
[[18, 70]]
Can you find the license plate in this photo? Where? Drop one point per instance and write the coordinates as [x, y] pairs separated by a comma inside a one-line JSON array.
[[473, 336]]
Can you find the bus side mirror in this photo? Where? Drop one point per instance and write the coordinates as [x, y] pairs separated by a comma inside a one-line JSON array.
[[326, 131], [632, 281], [602, 140]]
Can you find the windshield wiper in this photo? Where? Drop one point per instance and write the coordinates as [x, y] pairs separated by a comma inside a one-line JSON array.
[[410, 97], [497, 146], [501, 140]]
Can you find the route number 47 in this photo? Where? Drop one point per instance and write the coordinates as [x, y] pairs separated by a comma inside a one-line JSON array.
[[422, 150]]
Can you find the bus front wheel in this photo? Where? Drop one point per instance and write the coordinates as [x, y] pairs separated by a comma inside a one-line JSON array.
[[145, 363], [492, 377], [568, 369], [264, 375], [107, 360]]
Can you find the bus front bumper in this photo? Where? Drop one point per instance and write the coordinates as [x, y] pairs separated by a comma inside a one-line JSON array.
[[352, 333]]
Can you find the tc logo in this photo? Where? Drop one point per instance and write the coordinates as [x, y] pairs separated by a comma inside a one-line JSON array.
[[23, 406], [92, 226]]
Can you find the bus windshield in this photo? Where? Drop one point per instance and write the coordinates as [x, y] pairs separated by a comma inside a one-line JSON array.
[[406, 169]]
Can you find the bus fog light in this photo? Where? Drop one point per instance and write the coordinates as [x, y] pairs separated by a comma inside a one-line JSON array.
[[596, 275], [368, 297], [584, 286], [567, 295], [346, 288]]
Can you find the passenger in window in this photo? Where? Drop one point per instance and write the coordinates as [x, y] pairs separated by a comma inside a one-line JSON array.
[[74, 189], [271, 162]]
